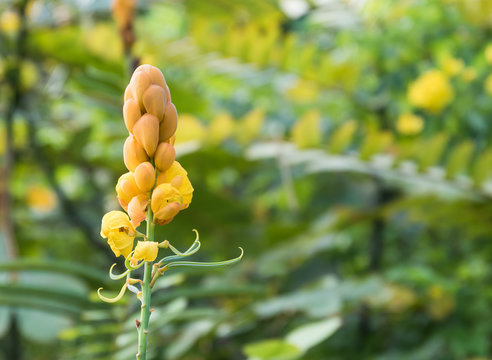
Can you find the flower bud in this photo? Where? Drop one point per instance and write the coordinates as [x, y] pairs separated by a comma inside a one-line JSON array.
[[128, 92], [133, 153], [131, 113], [145, 176], [169, 123], [168, 94], [126, 189], [146, 131], [136, 209], [167, 213], [120, 232], [154, 73], [154, 100], [164, 156], [145, 250], [140, 82]]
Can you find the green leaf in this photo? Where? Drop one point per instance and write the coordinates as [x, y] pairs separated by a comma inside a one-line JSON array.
[[342, 137], [482, 167], [309, 335], [307, 131], [459, 158], [275, 349]]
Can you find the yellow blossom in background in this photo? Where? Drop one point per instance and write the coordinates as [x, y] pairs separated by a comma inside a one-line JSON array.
[[452, 66], [409, 124], [488, 84], [29, 75], [307, 130], [488, 53], [431, 91], [41, 199], [469, 74], [119, 231], [103, 40], [401, 298], [221, 127], [9, 22], [303, 91], [248, 129], [145, 250], [440, 302], [189, 129]]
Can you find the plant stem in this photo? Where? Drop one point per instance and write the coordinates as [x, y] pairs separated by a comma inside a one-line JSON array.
[[143, 329]]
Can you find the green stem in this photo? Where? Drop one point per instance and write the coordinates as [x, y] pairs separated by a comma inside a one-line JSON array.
[[143, 329]]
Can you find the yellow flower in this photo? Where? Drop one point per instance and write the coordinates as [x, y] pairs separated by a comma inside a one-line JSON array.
[[166, 202], [145, 250], [41, 199], [409, 124], [469, 74], [9, 22], [178, 176], [431, 91], [119, 231], [452, 66], [488, 84], [488, 53]]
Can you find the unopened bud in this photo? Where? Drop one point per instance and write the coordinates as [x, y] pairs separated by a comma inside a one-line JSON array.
[[126, 189], [133, 153], [169, 124], [168, 94], [129, 92], [164, 156], [131, 113], [136, 209], [154, 73], [145, 176], [140, 82], [146, 131], [154, 100]]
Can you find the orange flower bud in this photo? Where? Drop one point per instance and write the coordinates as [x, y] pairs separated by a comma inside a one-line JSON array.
[[154, 73], [128, 92], [126, 189], [169, 124], [145, 176], [123, 12], [146, 131], [154, 100], [136, 209], [167, 213], [140, 82], [171, 140], [133, 153], [164, 156], [168, 94], [131, 113]]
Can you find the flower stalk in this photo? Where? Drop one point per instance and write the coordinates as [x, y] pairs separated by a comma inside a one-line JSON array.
[[155, 189], [143, 329]]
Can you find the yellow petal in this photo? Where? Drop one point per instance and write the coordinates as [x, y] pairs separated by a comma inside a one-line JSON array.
[[146, 250]]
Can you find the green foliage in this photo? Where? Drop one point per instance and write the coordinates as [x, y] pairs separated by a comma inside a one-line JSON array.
[[362, 239]]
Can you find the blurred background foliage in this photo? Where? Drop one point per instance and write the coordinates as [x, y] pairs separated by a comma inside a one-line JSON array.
[[345, 144]]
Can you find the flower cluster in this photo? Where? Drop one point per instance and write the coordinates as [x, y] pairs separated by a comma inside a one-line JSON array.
[[432, 91], [154, 177]]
